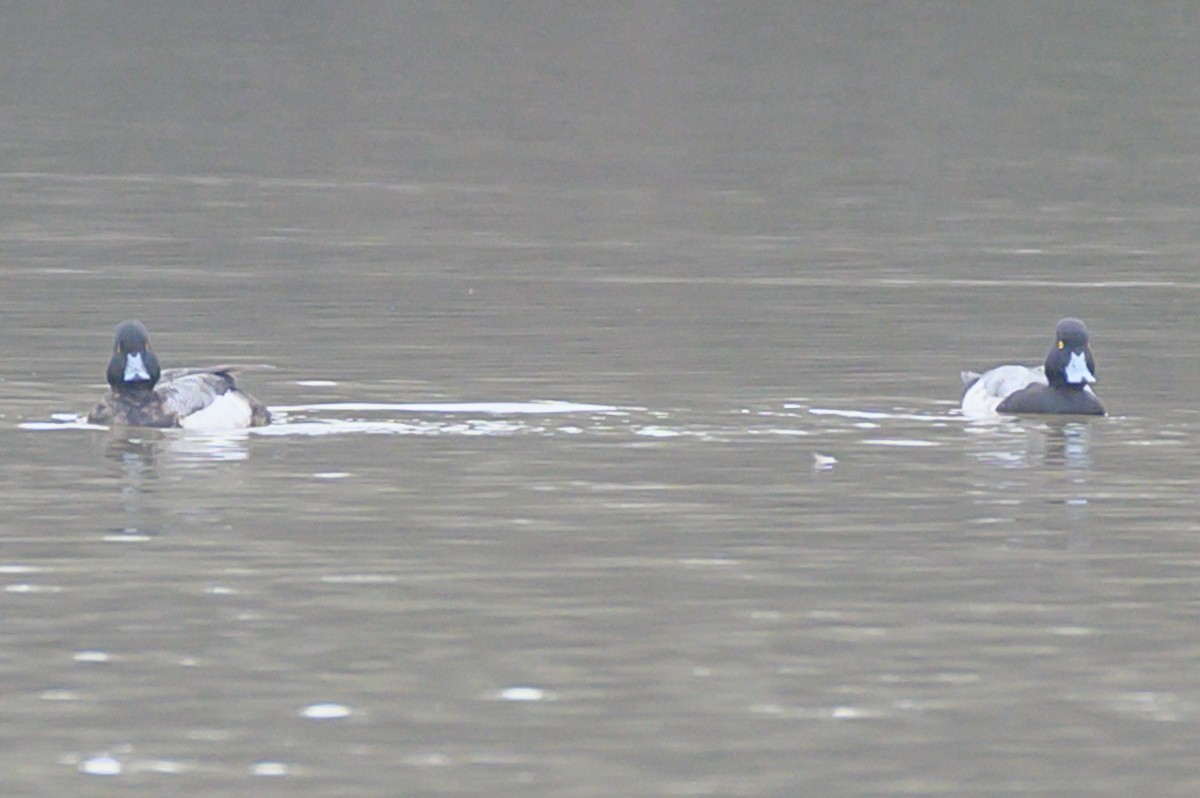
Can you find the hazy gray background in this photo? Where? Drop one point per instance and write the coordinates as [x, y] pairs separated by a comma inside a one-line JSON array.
[[757, 232]]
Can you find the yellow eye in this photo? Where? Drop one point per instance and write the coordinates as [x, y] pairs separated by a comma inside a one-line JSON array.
[[1060, 344]]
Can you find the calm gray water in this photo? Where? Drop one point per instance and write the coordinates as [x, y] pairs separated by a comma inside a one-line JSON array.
[[615, 354]]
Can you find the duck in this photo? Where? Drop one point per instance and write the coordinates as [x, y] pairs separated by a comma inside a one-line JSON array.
[[1061, 385], [142, 395]]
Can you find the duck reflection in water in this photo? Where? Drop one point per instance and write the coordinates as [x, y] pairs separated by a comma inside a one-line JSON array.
[[1010, 443]]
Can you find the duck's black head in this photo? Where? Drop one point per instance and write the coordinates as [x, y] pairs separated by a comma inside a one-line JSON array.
[[1070, 361], [133, 366]]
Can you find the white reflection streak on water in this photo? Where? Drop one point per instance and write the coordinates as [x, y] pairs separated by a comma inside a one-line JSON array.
[[491, 408], [1010, 442]]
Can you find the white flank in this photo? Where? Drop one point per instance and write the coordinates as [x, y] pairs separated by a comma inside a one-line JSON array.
[[994, 386], [228, 411]]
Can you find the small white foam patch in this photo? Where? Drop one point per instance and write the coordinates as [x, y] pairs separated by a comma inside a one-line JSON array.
[[43, 426], [27, 588], [870, 414], [228, 411], [103, 765], [658, 432], [522, 693], [1077, 371], [325, 711]]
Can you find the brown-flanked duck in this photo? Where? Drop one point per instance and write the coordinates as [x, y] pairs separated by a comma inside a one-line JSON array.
[[140, 395]]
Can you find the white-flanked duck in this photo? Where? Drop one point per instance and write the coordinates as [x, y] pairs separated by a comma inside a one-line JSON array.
[[1062, 385]]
